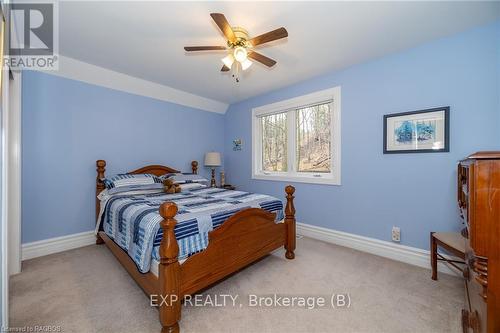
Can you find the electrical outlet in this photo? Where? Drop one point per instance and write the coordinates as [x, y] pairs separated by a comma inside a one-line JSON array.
[[396, 234]]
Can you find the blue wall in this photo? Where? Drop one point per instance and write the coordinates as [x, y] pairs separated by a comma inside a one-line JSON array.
[[497, 42], [67, 125], [413, 191]]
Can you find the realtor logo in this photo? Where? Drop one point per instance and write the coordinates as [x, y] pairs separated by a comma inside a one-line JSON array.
[[33, 36], [34, 28]]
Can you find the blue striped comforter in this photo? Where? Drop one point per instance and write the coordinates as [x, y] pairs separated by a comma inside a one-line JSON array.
[[133, 220]]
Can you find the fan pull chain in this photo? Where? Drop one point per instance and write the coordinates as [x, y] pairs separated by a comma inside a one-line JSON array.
[[236, 75]]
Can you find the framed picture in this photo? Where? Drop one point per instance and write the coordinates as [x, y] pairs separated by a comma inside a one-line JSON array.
[[424, 131], [237, 144]]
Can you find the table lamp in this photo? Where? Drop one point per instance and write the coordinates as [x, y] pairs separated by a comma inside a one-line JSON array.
[[212, 160]]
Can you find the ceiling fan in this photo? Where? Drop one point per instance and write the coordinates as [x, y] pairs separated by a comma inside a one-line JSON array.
[[240, 45]]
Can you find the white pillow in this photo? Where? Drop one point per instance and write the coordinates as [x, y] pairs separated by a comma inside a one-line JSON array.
[[191, 186], [184, 178]]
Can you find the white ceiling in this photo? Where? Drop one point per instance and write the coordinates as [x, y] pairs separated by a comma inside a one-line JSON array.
[[146, 39]]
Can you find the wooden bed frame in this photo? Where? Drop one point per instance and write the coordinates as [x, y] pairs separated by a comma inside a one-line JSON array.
[[231, 247]]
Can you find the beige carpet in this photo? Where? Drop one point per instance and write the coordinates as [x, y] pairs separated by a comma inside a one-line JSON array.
[[86, 290]]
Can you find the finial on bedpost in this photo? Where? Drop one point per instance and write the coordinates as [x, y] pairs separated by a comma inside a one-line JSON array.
[[194, 167], [290, 222], [169, 249], [101, 168], [99, 187], [169, 271]]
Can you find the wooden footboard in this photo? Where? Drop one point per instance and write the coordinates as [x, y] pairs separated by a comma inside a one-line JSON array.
[[242, 239]]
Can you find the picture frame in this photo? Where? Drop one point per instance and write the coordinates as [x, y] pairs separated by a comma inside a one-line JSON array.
[[237, 144], [422, 131]]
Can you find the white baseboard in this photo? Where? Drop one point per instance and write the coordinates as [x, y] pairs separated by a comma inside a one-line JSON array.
[[57, 244], [407, 254]]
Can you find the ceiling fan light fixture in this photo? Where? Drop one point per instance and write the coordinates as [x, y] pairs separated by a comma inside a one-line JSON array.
[[246, 64], [240, 54], [228, 60]]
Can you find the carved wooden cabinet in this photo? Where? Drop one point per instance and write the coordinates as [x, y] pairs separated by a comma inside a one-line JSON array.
[[479, 203]]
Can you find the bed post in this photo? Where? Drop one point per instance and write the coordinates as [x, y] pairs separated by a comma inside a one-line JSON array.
[[99, 187], [169, 271], [290, 222], [194, 167]]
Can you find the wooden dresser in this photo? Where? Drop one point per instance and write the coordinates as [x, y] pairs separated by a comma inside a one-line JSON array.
[[479, 202]]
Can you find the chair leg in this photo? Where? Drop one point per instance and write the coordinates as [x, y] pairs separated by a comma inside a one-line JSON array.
[[433, 256]]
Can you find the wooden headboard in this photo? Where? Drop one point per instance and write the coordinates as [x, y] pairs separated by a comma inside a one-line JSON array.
[[159, 170], [156, 170]]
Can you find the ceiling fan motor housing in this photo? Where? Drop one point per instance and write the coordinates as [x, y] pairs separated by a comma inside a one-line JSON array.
[[241, 38]]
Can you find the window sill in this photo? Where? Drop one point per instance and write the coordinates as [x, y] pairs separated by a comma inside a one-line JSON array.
[[297, 179]]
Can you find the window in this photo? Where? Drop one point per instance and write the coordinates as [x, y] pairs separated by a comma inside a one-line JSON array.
[[298, 139]]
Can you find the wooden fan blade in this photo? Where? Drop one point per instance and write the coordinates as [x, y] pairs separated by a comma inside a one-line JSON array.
[[224, 26], [204, 48], [269, 36], [262, 59], [225, 68]]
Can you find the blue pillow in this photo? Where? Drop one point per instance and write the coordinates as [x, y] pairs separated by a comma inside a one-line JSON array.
[[130, 188], [129, 180]]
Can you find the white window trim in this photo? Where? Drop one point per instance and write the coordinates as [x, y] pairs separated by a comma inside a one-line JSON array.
[[294, 103]]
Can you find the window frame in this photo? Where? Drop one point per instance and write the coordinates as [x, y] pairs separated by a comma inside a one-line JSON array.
[[290, 106]]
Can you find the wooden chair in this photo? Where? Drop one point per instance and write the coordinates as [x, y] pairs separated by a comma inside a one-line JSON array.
[[452, 242]]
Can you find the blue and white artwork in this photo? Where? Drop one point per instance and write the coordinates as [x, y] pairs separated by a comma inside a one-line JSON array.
[[408, 131], [404, 132], [426, 130]]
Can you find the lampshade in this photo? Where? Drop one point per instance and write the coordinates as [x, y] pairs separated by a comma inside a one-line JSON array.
[[228, 60], [245, 64], [212, 159]]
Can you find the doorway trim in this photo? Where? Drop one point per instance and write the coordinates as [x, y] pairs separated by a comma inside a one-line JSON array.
[[13, 180]]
